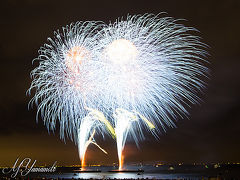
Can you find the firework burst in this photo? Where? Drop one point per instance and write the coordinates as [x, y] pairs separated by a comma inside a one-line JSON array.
[[140, 73], [153, 71], [63, 78], [66, 84]]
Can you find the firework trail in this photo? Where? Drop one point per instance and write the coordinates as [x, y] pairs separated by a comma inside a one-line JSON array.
[[141, 73], [94, 120], [124, 120]]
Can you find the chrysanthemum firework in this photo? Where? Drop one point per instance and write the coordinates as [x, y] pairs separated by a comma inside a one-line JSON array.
[[65, 80], [153, 70], [141, 72]]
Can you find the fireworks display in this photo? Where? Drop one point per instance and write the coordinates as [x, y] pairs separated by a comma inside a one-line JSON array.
[[123, 79]]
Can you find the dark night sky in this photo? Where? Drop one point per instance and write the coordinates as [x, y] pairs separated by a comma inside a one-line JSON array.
[[210, 135]]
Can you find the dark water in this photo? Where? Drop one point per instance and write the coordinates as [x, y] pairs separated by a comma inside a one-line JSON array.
[[193, 172], [150, 172]]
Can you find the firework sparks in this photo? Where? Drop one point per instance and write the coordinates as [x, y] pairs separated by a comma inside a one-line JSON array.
[[123, 119], [94, 120], [141, 72], [153, 71], [65, 81], [83, 144]]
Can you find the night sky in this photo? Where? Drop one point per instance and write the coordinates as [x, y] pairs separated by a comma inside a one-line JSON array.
[[210, 134]]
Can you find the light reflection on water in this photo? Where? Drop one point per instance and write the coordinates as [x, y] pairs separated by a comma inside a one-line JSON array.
[[123, 175], [150, 172]]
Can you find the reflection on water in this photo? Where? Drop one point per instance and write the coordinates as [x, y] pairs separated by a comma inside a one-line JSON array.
[[109, 175], [127, 175], [134, 176], [192, 172]]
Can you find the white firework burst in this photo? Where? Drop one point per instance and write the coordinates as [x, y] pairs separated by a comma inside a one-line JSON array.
[[65, 77], [141, 72], [153, 66], [66, 84]]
